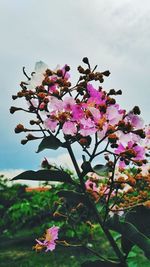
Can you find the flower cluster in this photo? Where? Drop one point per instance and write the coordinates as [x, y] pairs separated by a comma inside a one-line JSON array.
[[83, 110], [49, 240]]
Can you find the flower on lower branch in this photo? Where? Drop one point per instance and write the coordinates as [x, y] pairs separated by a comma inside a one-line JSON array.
[[48, 241]]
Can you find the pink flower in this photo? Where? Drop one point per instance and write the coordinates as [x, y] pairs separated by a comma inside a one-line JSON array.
[[91, 186], [95, 113], [69, 128], [136, 121], [87, 127], [50, 124], [77, 112], [95, 95], [68, 103], [113, 114], [55, 104], [49, 242], [132, 150]]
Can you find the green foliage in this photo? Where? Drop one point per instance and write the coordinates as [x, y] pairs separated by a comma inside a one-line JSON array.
[[140, 218], [131, 233], [99, 263], [101, 170], [49, 142], [45, 175]]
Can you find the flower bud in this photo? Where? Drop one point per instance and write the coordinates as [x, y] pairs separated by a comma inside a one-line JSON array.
[[32, 122], [112, 92], [85, 60], [87, 71], [112, 138], [31, 137], [19, 128], [140, 132], [81, 70], [24, 141], [59, 73], [136, 110], [14, 97], [67, 68], [106, 73], [49, 72], [119, 92], [14, 109]]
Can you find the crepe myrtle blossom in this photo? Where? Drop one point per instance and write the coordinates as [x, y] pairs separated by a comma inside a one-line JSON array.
[[91, 186], [135, 121], [49, 240], [132, 150], [38, 75], [114, 114], [69, 128], [50, 124]]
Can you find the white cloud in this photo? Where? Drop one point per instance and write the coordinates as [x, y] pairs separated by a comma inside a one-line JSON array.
[[63, 160]]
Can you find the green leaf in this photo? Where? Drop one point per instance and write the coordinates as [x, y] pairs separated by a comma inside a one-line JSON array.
[[44, 175], [140, 217], [143, 225], [101, 170], [131, 233], [100, 263], [86, 167], [49, 142], [73, 197]]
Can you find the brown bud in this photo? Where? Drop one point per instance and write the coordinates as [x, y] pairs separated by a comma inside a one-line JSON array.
[[49, 72], [91, 75], [14, 97], [59, 73], [106, 73], [87, 71], [81, 70], [83, 141], [20, 94], [41, 95], [112, 138], [136, 110], [119, 92], [19, 128], [112, 92], [140, 132], [32, 122], [14, 109], [24, 141], [31, 137], [85, 60], [67, 68], [110, 101]]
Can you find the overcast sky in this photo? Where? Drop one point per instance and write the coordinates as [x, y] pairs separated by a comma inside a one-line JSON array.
[[114, 34]]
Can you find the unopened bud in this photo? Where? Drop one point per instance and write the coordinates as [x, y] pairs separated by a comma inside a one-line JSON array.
[[136, 110], [119, 92], [80, 69], [67, 68], [112, 92], [85, 60], [31, 137], [14, 97], [106, 73], [19, 128], [24, 141], [59, 73], [14, 109]]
